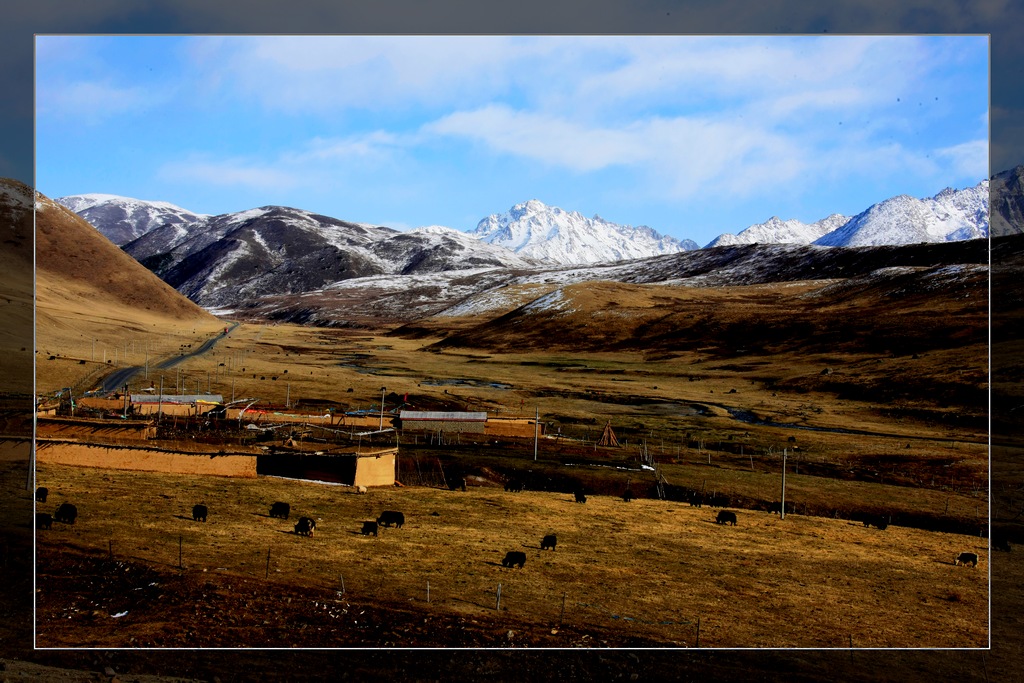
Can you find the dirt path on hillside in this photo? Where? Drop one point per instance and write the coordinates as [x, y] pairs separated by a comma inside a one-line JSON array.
[[120, 378]]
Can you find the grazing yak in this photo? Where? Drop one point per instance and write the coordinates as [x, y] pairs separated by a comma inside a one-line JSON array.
[[580, 496], [369, 528], [775, 508], [964, 558], [43, 520], [66, 513], [628, 496], [696, 500], [1000, 540], [717, 501], [514, 486], [305, 526], [548, 541], [389, 517], [199, 513], [41, 493], [880, 521], [281, 510], [726, 517], [514, 557]]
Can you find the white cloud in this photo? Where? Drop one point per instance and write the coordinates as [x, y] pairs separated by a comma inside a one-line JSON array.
[[373, 147], [583, 74], [669, 117], [968, 159], [94, 101], [682, 156], [241, 173], [325, 73], [543, 138]]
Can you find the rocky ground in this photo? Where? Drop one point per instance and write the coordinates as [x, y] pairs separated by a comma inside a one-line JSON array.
[[100, 595]]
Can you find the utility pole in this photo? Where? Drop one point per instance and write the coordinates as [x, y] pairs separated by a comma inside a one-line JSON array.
[[160, 400], [382, 390], [782, 512], [536, 431]]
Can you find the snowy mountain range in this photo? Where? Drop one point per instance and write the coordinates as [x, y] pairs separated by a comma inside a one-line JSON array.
[[551, 235], [123, 219], [539, 233], [229, 261], [777, 231], [951, 215], [284, 264], [221, 260], [1007, 202]]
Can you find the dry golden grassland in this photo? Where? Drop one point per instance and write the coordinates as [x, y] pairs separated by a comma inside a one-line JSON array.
[[939, 469], [648, 567]]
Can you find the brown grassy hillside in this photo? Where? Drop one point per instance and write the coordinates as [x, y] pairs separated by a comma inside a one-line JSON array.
[[73, 258], [95, 303], [638, 574], [893, 314], [16, 285]]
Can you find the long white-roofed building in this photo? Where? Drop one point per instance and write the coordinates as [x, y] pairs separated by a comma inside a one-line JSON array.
[[434, 420]]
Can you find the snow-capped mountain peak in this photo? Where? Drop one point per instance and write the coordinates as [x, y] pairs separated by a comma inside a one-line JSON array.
[[778, 231], [950, 215], [123, 219], [549, 234]]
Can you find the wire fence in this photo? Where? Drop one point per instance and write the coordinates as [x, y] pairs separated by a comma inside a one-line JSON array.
[[494, 589]]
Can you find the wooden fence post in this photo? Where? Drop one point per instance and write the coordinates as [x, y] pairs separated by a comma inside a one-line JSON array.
[[267, 575]]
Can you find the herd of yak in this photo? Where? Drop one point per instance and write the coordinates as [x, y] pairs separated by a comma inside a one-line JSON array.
[[66, 513]]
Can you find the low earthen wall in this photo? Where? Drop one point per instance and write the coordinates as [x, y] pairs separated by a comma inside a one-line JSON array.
[[512, 428], [146, 459], [15, 449], [70, 428], [375, 470]]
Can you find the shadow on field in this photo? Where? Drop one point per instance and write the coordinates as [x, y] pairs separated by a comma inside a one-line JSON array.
[[470, 602], [184, 517]]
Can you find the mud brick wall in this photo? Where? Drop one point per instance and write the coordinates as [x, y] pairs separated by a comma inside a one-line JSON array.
[[146, 459]]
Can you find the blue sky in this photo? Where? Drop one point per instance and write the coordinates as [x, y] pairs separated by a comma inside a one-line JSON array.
[[691, 135]]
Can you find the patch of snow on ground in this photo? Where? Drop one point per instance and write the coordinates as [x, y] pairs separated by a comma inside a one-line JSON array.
[[493, 300], [242, 216], [220, 312], [212, 281], [262, 242], [553, 301]]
